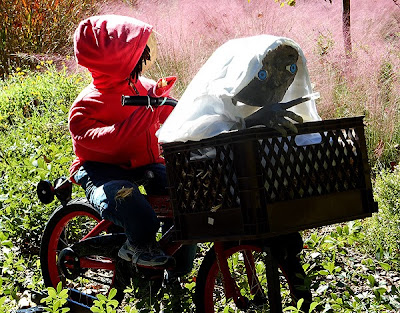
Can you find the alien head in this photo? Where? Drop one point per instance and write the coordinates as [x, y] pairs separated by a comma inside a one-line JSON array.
[[272, 80]]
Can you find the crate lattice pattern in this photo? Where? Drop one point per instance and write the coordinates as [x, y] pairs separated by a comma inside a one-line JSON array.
[[289, 172]]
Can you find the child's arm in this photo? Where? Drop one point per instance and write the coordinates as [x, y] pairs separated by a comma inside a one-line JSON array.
[[96, 136]]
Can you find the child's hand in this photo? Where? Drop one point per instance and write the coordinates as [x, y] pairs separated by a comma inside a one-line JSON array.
[[163, 87], [162, 83]]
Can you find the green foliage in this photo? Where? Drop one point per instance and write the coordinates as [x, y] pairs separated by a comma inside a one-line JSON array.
[[152, 296], [36, 145], [291, 3], [56, 299], [178, 297], [4, 305], [342, 280], [385, 80], [383, 229], [283, 2], [325, 44], [14, 277], [297, 308], [11, 265], [105, 304], [143, 295]]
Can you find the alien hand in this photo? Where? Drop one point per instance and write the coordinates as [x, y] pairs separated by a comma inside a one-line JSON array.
[[275, 116]]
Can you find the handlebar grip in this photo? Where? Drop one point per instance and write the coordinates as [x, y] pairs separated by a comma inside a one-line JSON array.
[[147, 101]]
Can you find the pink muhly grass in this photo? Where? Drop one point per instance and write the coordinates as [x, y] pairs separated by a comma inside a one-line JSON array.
[[192, 30], [364, 83]]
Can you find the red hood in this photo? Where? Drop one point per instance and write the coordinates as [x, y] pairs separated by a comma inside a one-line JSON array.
[[109, 46]]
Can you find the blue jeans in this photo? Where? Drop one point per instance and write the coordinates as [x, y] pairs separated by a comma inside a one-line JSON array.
[[103, 183]]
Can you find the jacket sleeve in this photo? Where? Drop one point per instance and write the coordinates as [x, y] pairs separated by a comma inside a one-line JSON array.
[[94, 135]]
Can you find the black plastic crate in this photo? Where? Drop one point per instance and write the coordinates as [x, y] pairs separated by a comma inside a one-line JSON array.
[[253, 183]]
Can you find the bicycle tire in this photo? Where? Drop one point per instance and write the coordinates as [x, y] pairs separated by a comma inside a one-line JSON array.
[[209, 289], [55, 238]]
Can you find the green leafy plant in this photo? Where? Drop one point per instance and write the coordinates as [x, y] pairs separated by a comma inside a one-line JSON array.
[[35, 145], [56, 299], [297, 308], [383, 229], [12, 264], [4, 306], [333, 271], [105, 304]]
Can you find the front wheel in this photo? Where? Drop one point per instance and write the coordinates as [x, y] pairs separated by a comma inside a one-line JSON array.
[[247, 266], [67, 225]]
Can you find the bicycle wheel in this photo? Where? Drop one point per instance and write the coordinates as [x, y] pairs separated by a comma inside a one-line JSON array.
[[247, 266], [67, 225]]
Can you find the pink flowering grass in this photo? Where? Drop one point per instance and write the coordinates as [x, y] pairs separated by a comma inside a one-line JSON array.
[[364, 83]]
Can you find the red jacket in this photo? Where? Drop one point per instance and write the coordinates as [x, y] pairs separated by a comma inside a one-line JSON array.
[[102, 129]]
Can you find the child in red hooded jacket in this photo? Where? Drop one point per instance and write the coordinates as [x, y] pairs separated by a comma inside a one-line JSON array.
[[114, 144]]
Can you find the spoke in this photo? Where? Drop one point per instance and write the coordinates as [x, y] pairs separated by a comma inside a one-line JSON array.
[[66, 232], [260, 300], [63, 242], [251, 271]]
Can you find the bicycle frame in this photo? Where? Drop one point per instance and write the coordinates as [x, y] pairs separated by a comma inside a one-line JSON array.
[[163, 210]]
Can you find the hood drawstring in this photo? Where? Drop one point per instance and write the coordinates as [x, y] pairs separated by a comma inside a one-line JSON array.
[[131, 84]]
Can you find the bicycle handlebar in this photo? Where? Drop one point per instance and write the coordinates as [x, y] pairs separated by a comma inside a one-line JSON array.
[[147, 101]]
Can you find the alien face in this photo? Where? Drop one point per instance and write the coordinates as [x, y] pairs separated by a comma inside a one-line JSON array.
[[273, 80]]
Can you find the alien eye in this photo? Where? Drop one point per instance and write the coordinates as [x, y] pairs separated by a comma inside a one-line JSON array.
[[292, 68], [262, 75]]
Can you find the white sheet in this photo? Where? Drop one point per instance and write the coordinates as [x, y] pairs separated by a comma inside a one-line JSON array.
[[206, 109]]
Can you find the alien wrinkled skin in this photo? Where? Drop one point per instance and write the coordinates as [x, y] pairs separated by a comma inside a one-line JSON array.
[[268, 88]]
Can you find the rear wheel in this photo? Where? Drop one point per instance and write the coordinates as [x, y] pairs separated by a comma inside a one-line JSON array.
[[67, 225], [247, 266]]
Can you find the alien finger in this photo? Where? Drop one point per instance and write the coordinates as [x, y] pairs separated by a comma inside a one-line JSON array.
[[281, 130], [274, 123], [284, 122], [295, 117]]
